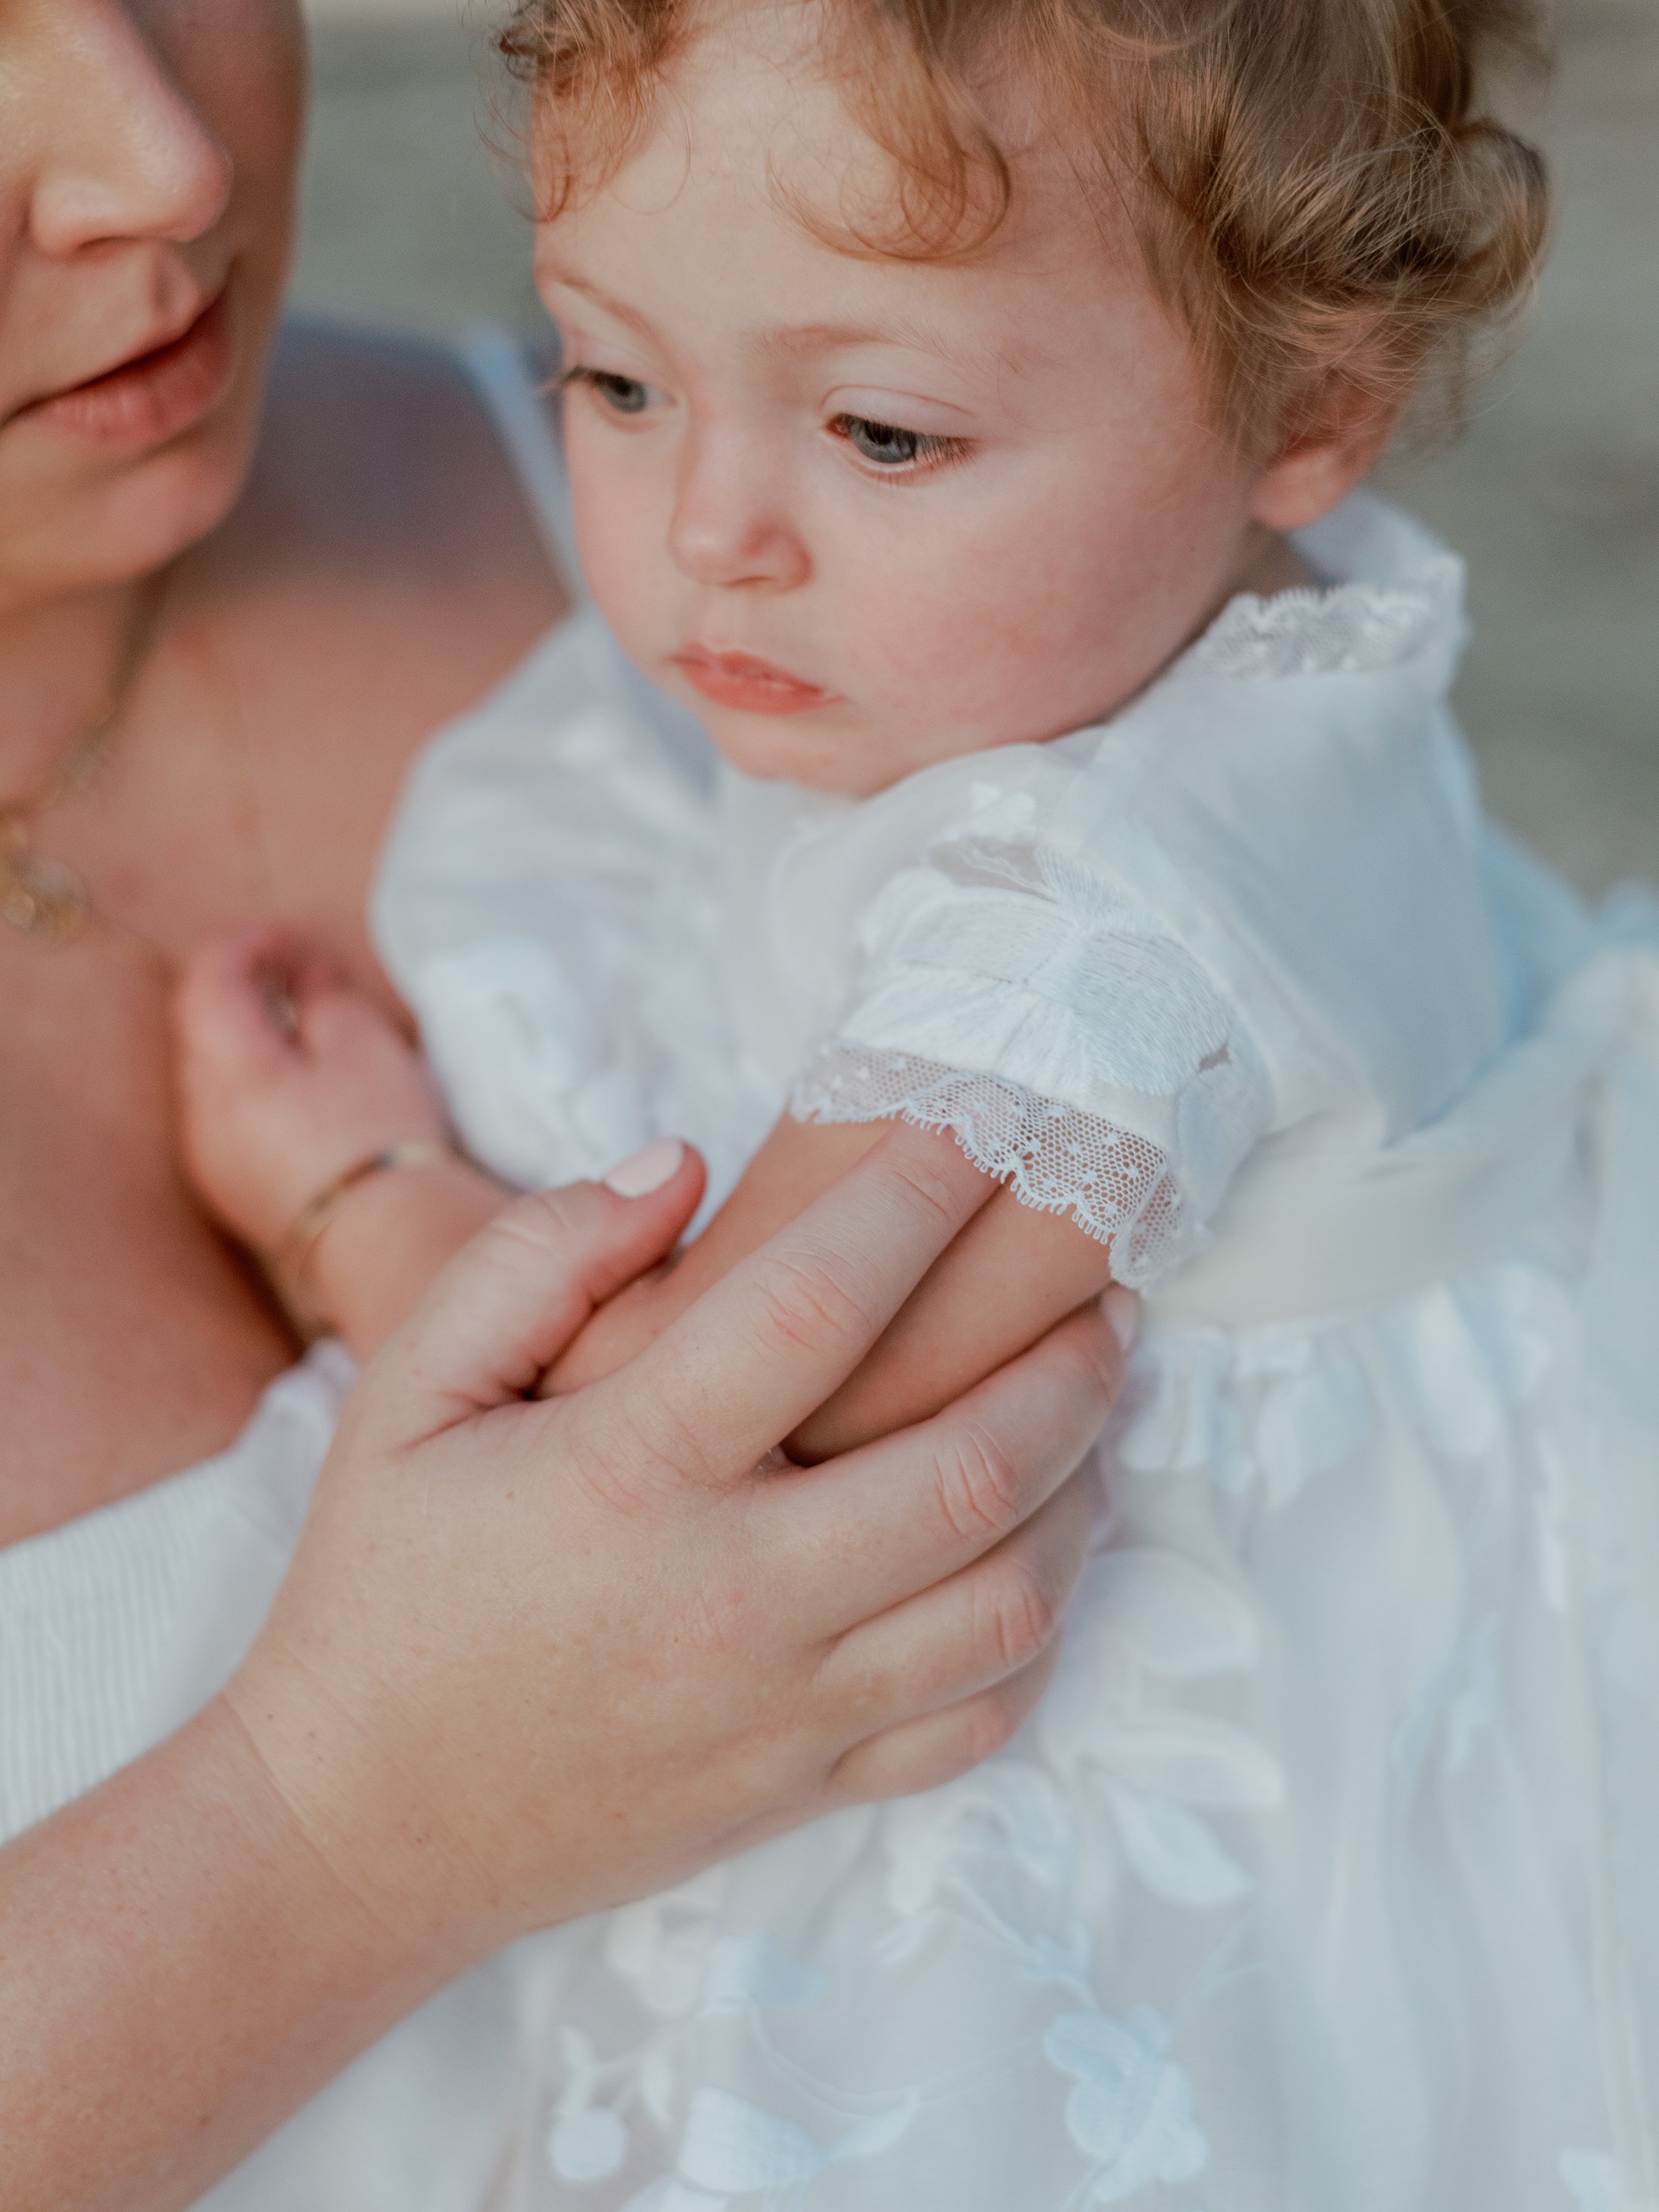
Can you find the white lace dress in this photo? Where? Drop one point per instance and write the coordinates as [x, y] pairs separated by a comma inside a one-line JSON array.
[[1326, 1877]]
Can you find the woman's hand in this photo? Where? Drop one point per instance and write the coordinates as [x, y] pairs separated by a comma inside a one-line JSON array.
[[534, 1658], [1011, 1275]]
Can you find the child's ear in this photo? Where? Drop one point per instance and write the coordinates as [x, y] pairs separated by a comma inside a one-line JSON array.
[[1331, 439]]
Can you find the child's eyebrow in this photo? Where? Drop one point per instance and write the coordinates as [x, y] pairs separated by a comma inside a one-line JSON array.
[[914, 333], [555, 273], [915, 336]]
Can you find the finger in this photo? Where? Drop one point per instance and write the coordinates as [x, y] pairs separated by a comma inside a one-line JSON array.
[[926, 1754], [862, 1532], [221, 1012], [984, 1625], [336, 1021], [508, 1303], [755, 1354]]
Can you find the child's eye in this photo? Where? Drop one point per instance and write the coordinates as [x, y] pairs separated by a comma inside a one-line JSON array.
[[624, 395], [900, 452]]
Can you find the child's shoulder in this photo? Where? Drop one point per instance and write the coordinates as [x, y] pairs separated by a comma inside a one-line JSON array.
[[1296, 764], [1290, 803]]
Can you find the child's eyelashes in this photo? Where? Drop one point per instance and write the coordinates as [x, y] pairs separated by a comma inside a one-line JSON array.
[[884, 449], [623, 395], [891, 451]]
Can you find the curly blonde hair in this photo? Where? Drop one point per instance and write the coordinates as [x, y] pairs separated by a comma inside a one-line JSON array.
[[1319, 187]]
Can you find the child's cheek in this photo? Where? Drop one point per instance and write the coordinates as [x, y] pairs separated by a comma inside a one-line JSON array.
[[960, 640], [621, 536]]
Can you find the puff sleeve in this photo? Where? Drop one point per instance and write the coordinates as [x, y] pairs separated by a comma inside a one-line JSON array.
[[1018, 996]]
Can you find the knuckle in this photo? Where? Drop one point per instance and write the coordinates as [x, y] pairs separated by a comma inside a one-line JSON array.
[[990, 1726], [1094, 1364], [936, 1178], [855, 1699], [929, 1189], [545, 1220], [981, 1489], [1023, 1613], [614, 1473], [801, 1304], [1080, 1369], [662, 1437]]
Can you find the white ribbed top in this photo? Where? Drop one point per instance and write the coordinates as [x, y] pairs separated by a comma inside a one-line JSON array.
[[116, 1628], [114, 1631]]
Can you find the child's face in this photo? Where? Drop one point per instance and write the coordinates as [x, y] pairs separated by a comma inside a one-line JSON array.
[[864, 514]]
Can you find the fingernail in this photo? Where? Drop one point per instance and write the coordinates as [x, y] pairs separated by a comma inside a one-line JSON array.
[[642, 1172], [1122, 1310]]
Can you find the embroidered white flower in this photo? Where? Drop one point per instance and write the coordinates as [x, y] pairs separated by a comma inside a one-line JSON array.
[[753, 1971], [734, 2145], [1131, 2113], [1309, 1409], [1149, 1613], [663, 1945], [586, 2142]]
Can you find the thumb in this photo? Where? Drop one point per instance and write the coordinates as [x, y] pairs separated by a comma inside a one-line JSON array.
[[509, 1302]]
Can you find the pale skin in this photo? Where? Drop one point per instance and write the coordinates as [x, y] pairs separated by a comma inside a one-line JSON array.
[[189, 1952], [454, 1730], [247, 777], [964, 504]]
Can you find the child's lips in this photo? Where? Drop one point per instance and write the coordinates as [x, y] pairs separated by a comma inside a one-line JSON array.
[[739, 680]]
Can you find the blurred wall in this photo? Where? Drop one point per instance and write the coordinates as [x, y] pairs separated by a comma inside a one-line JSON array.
[[1552, 492]]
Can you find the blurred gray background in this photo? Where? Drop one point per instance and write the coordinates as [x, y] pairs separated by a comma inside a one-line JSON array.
[[1552, 492]]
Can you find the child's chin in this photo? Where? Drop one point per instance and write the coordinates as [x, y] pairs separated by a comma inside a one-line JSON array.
[[775, 750]]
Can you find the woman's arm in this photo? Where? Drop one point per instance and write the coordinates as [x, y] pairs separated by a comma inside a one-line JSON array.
[[456, 1725], [1010, 1276], [179, 1970]]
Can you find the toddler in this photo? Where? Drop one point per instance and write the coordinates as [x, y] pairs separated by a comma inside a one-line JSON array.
[[1032, 731]]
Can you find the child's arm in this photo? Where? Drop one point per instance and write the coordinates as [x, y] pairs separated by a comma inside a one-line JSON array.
[[289, 1080], [1007, 1279]]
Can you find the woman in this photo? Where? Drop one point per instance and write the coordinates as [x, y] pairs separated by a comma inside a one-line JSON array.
[[222, 636]]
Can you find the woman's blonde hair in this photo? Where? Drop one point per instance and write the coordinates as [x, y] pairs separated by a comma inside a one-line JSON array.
[[1319, 187]]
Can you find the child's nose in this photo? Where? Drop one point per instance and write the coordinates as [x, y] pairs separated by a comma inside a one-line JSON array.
[[732, 523]]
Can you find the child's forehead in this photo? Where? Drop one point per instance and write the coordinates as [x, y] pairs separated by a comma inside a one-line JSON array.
[[750, 179], [903, 316]]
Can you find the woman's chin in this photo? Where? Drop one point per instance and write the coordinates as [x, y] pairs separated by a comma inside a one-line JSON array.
[[94, 525]]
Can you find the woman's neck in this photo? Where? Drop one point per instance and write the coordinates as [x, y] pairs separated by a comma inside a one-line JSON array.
[[60, 660]]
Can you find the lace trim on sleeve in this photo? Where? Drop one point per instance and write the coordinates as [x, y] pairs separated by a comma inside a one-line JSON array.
[[1116, 1186]]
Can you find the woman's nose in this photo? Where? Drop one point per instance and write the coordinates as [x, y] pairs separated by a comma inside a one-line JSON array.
[[123, 153], [731, 523]]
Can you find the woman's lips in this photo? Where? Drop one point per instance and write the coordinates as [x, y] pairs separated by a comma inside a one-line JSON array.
[[153, 397], [754, 687]]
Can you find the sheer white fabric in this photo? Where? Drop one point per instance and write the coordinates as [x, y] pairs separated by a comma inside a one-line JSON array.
[[1324, 1876], [1117, 1187], [1060, 1031]]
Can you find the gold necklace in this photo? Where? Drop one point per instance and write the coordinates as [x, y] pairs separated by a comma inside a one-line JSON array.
[[40, 896]]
